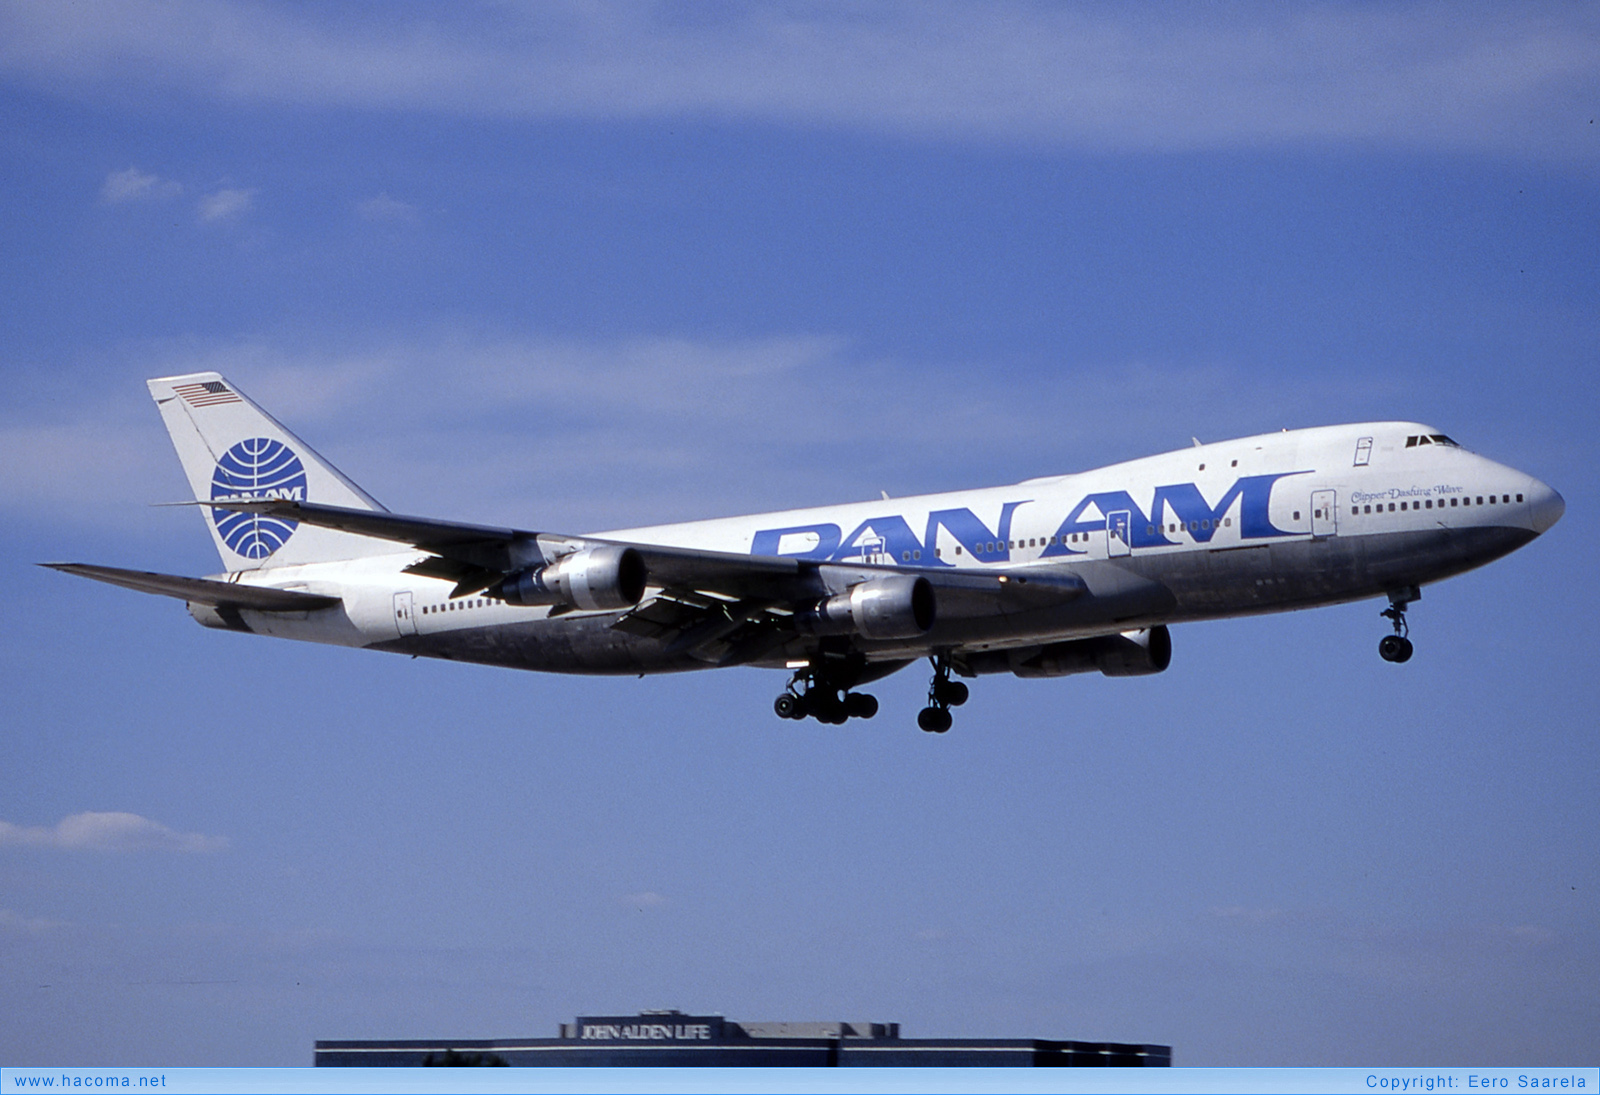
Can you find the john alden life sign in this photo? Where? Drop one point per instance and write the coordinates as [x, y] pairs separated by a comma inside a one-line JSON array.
[[643, 1028]]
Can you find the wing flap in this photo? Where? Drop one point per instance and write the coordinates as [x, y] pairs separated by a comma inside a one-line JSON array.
[[205, 591]]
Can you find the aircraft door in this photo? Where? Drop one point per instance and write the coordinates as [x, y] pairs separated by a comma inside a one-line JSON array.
[[1324, 513], [405, 614], [1118, 523], [875, 551]]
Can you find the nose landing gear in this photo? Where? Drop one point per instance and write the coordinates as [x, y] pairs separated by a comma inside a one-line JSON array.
[[1397, 647], [943, 694]]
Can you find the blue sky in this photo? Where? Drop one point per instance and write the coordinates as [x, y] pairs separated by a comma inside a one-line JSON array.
[[582, 266]]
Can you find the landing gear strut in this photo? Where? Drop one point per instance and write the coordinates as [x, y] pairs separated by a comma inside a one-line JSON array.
[[817, 694], [943, 694], [1397, 647]]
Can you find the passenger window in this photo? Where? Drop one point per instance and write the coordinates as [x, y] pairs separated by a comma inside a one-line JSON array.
[[1391, 507], [1506, 498], [1519, 497], [1453, 502], [1297, 515]]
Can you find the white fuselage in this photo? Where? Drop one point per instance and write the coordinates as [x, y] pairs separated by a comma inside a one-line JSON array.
[[1266, 523]]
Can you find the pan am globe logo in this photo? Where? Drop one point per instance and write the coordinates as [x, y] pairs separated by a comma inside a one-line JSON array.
[[255, 469]]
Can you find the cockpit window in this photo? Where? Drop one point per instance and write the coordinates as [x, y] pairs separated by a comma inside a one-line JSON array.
[[1430, 439]]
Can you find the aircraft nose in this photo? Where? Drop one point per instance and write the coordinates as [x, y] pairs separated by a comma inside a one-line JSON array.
[[1545, 506]]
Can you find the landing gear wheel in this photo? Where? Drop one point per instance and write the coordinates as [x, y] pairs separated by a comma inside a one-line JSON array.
[[788, 706], [1395, 648], [943, 694], [859, 705], [826, 708]]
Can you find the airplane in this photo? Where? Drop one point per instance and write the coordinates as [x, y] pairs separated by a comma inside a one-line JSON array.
[[1043, 578]]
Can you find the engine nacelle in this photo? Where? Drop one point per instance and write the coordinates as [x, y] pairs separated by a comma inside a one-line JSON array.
[[1130, 654], [604, 577], [899, 607]]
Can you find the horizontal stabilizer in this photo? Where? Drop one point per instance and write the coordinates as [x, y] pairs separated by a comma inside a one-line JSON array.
[[205, 591]]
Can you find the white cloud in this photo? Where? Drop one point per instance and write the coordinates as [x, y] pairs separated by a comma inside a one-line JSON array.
[[384, 208], [1250, 916], [581, 435], [226, 204], [109, 831], [132, 185], [1514, 79], [17, 924], [97, 462]]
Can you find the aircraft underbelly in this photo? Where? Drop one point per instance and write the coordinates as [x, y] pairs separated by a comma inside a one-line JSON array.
[[1269, 577], [1124, 594], [574, 644]]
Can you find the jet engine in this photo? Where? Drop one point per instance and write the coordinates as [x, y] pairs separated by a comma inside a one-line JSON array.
[[604, 577], [1130, 654], [899, 607]]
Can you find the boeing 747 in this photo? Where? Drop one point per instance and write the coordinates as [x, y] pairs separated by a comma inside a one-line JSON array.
[[1044, 578]]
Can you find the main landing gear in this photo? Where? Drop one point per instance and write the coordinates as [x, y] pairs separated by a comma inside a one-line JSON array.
[[1397, 647], [823, 697], [943, 694]]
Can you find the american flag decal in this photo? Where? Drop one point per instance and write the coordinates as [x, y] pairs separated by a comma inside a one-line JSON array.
[[206, 394]]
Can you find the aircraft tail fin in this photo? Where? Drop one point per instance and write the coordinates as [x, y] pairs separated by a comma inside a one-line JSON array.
[[231, 448]]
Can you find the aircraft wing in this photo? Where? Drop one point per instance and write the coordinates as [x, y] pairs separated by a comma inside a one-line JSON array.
[[475, 556], [205, 591], [495, 551]]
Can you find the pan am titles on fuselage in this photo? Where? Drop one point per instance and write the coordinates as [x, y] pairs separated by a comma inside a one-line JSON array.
[[1044, 578]]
